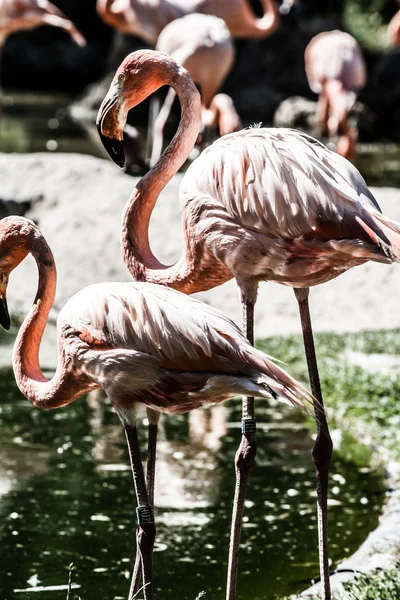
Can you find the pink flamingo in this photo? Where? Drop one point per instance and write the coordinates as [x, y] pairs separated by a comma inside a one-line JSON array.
[[16, 15], [147, 18], [142, 344], [203, 45], [336, 71], [257, 205]]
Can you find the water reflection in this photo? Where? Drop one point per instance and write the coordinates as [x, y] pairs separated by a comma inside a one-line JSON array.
[[40, 123], [71, 500]]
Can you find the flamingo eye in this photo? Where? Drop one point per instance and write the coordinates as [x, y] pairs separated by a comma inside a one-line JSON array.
[[121, 78]]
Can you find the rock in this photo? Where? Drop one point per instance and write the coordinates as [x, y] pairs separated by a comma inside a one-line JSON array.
[[299, 113]]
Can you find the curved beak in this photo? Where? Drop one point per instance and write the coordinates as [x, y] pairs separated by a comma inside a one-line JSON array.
[[4, 314], [109, 124]]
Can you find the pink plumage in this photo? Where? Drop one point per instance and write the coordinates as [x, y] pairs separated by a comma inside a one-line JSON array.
[[336, 71], [258, 205], [203, 45], [335, 55], [142, 343], [147, 18], [16, 15]]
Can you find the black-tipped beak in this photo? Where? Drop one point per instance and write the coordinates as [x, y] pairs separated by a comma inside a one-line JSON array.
[[114, 147], [109, 127], [4, 314]]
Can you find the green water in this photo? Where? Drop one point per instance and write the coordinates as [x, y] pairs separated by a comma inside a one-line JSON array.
[[34, 123], [66, 495]]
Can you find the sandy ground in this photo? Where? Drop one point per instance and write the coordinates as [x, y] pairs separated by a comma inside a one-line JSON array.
[[78, 202]]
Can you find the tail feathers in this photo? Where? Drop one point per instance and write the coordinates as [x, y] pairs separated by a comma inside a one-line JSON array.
[[296, 395], [279, 384], [383, 231]]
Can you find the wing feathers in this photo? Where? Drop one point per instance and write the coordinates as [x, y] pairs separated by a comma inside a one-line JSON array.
[[149, 330]]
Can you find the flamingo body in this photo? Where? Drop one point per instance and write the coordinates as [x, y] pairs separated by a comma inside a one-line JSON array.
[[17, 15], [259, 204], [203, 45], [142, 343], [334, 55], [275, 204], [147, 344], [147, 18], [336, 71]]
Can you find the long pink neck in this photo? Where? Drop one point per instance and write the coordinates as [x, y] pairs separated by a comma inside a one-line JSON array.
[[243, 22], [141, 262], [28, 374]]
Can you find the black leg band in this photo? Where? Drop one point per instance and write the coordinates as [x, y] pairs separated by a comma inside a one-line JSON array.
[[144, 514], [248, 425]]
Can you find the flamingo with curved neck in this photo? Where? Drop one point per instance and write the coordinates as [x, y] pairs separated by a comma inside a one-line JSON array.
[[142, 344], [257, 205], [147, 18], [17, 15]]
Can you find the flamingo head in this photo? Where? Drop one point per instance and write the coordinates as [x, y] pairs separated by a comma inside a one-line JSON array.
[[140, 74], [15, 237]]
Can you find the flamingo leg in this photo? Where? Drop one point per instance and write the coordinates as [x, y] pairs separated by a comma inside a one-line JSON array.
[[244, 461], [322, 450], [323, 112], [146, 530], [153, 418]]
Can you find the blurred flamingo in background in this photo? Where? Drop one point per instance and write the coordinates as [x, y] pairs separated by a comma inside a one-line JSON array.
[[257, 205], [142, 344], [336, 71], [17, 15], [147, 18], [203, 45]]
